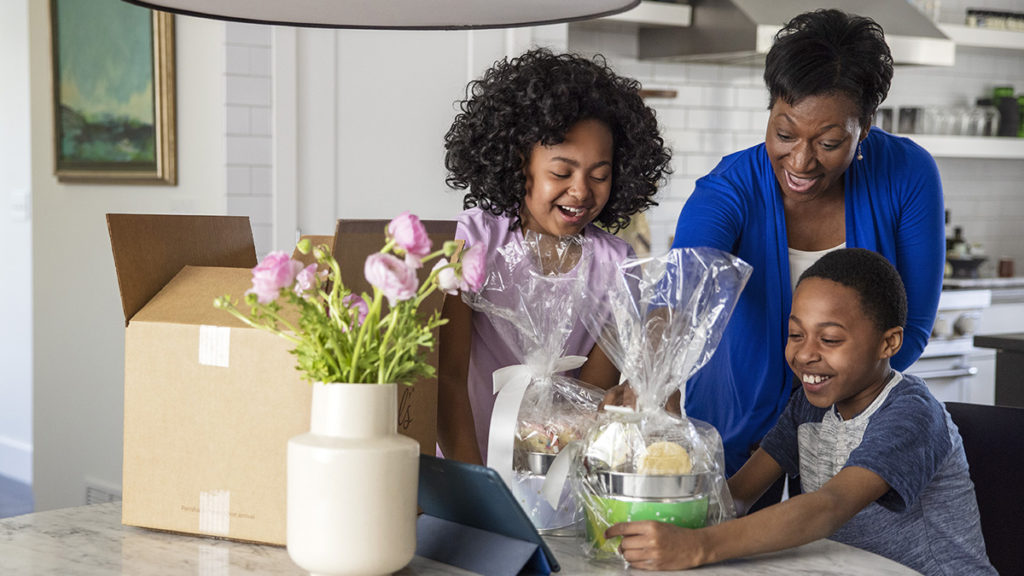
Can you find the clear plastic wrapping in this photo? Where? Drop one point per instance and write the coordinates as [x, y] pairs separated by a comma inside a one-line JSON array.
[[660, 322], [533, 296]]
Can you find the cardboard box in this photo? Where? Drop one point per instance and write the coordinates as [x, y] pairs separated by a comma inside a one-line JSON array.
[[209, 403]]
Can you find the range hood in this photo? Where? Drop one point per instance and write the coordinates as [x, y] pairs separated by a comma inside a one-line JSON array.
[[742, 31]]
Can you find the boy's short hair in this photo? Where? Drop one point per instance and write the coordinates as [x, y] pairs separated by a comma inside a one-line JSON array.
[[876, 281]]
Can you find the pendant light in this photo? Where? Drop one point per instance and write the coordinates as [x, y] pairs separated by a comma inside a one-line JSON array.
[[395, 14]]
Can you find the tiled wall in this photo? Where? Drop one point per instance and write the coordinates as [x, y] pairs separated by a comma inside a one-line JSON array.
[[248, 133], [721, 109]]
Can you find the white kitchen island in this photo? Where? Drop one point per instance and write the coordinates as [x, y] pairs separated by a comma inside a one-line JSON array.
[[91, 541]]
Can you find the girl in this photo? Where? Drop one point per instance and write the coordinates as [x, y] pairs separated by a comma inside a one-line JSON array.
[[551, 144]]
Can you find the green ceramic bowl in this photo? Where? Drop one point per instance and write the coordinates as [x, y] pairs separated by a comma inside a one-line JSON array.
[[601, 513]]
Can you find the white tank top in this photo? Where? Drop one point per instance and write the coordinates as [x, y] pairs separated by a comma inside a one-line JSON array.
[[800, 260]]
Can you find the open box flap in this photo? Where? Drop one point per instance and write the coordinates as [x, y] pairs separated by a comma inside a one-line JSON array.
[[188, 297], [150, 249]]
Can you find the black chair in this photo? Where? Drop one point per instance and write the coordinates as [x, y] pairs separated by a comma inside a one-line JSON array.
[[994, 443]]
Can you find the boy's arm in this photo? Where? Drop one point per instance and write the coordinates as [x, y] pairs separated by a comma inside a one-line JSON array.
[[758, 473], [456, 429], [796, 521]]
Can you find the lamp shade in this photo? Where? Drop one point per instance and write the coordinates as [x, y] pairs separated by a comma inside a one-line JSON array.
[[395, 14]]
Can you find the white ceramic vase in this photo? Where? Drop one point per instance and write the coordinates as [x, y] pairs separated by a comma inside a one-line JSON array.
[[352, 483]]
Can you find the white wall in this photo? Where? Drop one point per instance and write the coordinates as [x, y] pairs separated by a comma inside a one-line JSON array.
[[79, 324], [16, 238]]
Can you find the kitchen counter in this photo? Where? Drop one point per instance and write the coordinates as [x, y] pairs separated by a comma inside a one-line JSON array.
[[91, 541], [1009, 342], [1009, 366]]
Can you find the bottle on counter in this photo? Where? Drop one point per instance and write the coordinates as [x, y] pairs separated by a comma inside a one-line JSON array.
[[958, 247]]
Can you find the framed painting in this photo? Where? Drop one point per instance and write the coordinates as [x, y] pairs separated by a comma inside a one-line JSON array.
[[113, 93]]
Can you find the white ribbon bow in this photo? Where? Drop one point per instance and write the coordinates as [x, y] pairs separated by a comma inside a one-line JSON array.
[[510, 385]]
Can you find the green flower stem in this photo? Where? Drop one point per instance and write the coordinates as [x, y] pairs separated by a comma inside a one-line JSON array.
[[371, 315], [234, 312], [392, 320]]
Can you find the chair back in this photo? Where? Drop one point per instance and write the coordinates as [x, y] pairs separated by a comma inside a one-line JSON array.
[[994, 443]]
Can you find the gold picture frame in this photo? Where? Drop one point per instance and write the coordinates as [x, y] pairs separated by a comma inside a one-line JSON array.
[[114, 107]]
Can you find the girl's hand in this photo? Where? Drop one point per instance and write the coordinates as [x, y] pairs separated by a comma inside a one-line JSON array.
[[621, 395], [654, 545]]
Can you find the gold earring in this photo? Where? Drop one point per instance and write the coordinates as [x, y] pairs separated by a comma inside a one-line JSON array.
[[860, 156]]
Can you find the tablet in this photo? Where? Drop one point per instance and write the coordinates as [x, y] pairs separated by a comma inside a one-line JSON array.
[[475, 496]]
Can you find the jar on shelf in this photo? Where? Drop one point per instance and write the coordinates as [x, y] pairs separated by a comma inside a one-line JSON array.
[[1009, 110], [1020, 113], [985, 118]]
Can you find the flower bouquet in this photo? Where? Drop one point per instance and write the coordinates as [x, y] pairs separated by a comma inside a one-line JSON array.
[[352, 479], [533, 295], [341, 336], [663, 320]]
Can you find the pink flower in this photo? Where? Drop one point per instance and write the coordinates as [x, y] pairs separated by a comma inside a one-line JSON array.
[[355, 304], [396, 279], [306, 281], [447, 281], [410, 236], [474, 267], [275, 272]]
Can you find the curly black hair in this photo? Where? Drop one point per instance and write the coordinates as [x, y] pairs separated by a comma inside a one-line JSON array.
[[830, 52], [879, 286], [537, 98]]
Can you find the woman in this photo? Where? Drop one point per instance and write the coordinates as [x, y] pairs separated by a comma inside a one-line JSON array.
[[823, 179]]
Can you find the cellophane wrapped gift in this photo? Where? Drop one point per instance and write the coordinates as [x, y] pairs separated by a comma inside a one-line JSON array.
[[661, 321], [533, 294]]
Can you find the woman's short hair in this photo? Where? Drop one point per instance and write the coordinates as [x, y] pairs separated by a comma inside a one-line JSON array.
[[537, 98], [830, 52], [882, 295]]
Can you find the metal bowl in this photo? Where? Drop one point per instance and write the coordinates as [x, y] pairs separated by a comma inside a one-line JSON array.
[[670, 486], [537, 463]]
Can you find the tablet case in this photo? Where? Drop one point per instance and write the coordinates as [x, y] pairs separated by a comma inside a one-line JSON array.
[[471, 520]]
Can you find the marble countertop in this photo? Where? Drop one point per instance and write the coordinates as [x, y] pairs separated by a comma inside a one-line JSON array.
[[90, 540]]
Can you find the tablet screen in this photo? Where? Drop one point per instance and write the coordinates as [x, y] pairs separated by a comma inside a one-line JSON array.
[[475, 496]]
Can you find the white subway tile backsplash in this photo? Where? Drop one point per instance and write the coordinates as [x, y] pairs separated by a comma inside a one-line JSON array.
[[754, 97], [239, 182], [241, 33], [261, 61], [698, 165], [683, 141], [262, 183], [237, 59], [248, 90], [237, 120], [257, 208], [261, 120], [249, 150], [248, 128]]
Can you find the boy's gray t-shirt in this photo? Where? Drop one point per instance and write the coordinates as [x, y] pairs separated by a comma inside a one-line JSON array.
[[929, 518]]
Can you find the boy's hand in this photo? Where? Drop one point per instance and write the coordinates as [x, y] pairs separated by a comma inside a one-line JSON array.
[[620, 395], [654, 545]]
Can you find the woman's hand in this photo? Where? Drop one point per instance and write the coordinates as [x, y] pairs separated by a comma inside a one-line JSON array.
[[654, 545], [621, 395]]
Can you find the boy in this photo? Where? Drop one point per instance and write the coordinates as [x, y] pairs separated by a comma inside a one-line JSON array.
[[881, 464]]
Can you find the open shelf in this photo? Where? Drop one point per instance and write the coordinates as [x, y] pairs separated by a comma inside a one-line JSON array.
[[983, 37], [970, 146]]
